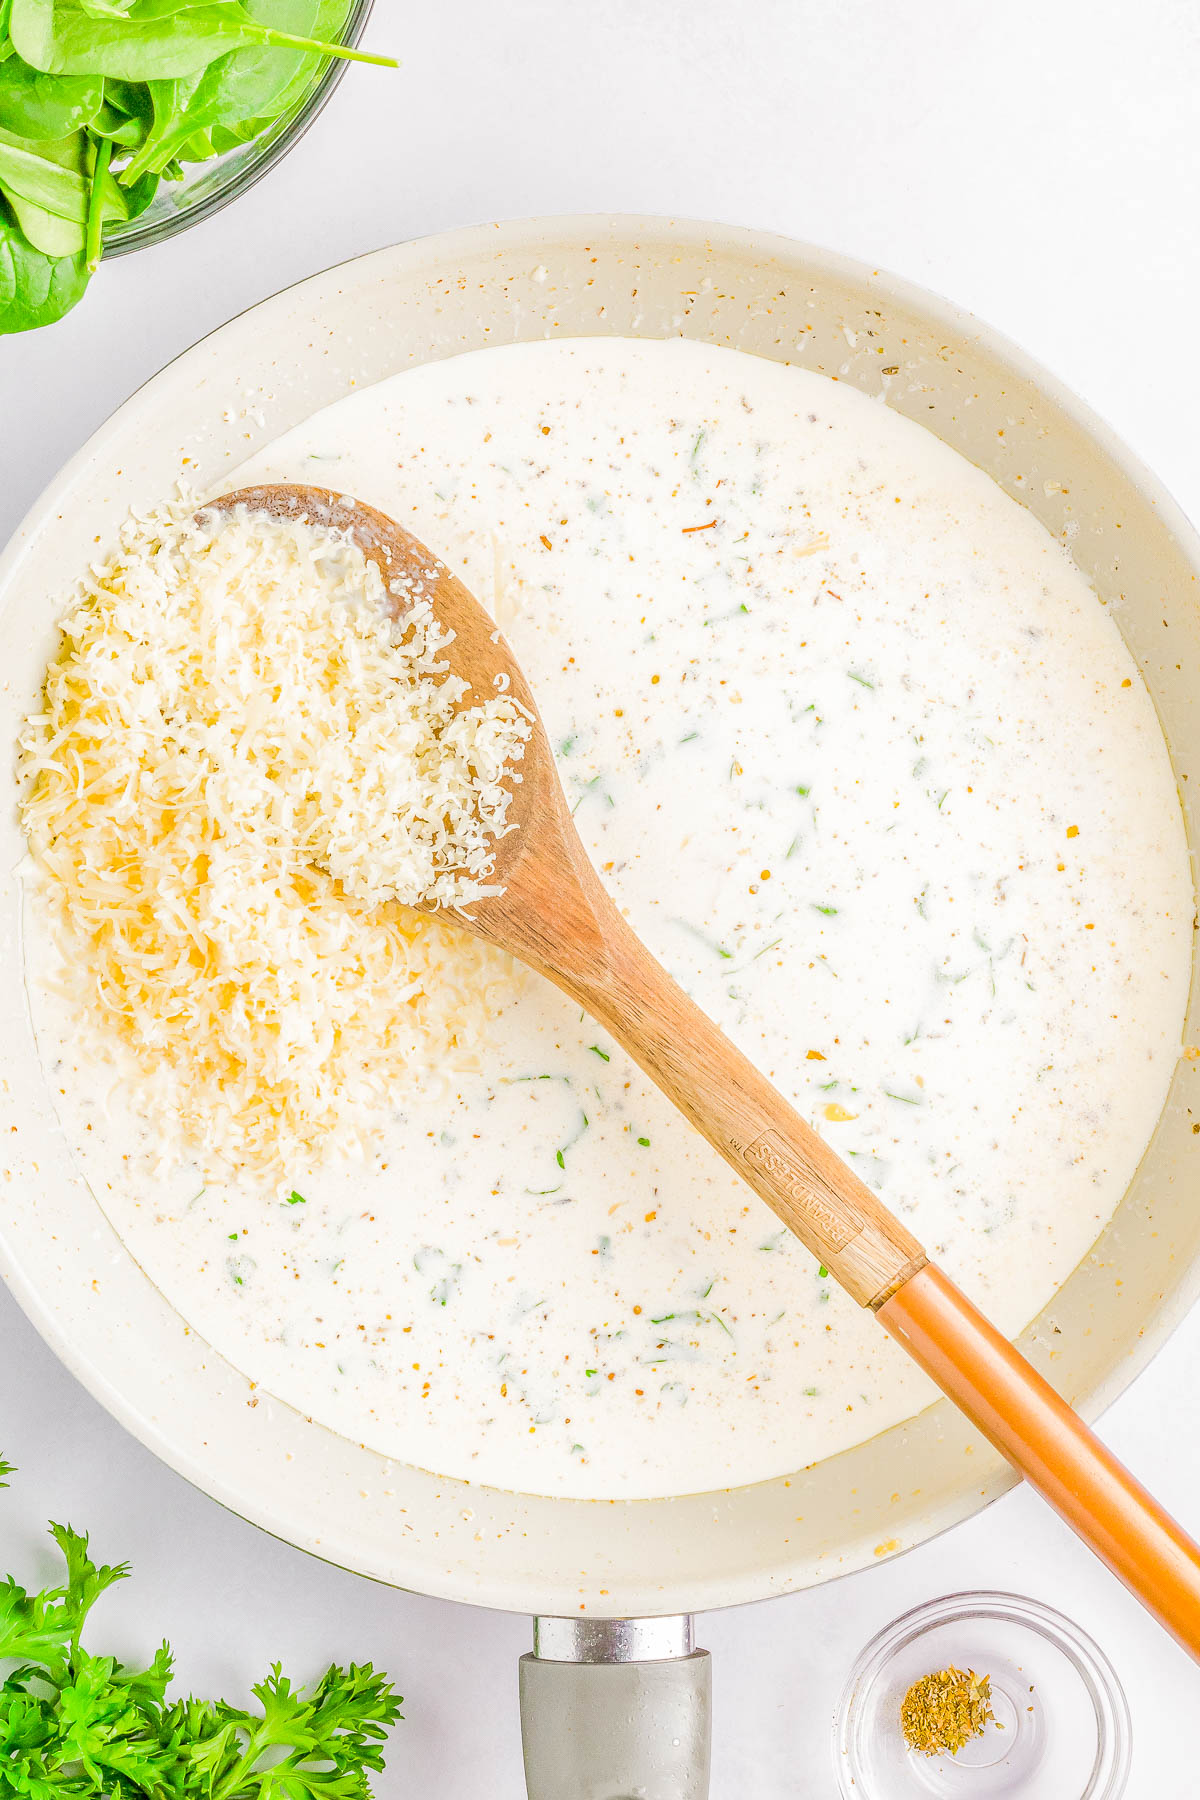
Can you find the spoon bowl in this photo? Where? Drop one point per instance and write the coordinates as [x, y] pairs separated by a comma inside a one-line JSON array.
[[481, 655]]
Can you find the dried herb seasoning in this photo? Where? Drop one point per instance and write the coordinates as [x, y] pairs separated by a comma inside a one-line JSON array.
[[945, 1710]]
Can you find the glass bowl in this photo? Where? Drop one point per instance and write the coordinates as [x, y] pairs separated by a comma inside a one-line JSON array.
[[208, 186], [1061, 1726]]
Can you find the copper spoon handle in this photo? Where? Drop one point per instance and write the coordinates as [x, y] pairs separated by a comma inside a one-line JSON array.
[[1045, 1439]]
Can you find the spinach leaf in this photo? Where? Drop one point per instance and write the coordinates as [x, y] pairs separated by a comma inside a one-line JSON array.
[[128, 132], [65, 39], [224, 138], [46, 231], [40, 106], [328, 25], [47, 189], [137, 195], [155, 40], [247, 84], [126, 115], [34, 289], [167, 102]]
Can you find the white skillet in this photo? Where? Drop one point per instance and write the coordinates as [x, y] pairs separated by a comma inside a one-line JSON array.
[[201, 417]]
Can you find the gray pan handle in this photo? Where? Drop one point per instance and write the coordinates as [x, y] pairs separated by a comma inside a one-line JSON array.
[[616, 1709]]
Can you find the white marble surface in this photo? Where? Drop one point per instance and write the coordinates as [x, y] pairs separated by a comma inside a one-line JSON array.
[[1037, 161]]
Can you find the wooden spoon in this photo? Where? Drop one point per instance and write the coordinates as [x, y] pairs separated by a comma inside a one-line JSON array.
[[555, 915]]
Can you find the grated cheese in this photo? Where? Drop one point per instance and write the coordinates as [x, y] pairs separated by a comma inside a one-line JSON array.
[[241, 765]]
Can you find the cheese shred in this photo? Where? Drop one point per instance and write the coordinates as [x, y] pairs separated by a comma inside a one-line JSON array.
[[241, 768]]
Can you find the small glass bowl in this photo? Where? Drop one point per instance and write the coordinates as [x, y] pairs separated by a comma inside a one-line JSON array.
[[1061, 1728], [208, 186]]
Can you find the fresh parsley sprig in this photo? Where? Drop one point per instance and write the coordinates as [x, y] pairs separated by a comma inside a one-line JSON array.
[[76, 1724]]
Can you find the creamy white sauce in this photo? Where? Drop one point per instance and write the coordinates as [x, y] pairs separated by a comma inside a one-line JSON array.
[[772, 627]]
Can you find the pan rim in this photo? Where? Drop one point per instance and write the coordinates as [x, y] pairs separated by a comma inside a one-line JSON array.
[[452, 249]]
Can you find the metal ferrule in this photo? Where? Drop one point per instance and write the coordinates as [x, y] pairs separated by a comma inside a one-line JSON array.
[[586, 1640]]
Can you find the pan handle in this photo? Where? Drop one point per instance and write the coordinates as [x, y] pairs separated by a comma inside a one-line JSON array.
[[616, 1709]]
